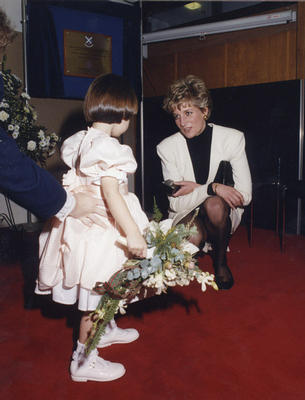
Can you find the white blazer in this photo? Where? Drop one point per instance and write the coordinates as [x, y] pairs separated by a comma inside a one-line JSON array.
[[227, 144]]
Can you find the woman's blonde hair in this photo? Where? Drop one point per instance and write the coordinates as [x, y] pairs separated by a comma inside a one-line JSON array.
[[188, 90], [7, 33]]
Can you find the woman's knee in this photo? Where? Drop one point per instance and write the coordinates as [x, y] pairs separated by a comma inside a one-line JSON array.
[[215, 209]]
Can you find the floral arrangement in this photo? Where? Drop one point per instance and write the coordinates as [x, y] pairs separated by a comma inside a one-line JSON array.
[[169, 262], [18, 118]]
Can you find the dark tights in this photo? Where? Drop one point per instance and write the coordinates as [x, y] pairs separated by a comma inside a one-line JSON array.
[[214, 225]]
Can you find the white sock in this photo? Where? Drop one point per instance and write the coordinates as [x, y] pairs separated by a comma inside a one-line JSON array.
[[80, 353], [112, 324], [80, 348]]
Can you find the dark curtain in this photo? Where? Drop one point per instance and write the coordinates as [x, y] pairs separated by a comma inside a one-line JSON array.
[[44, 73]]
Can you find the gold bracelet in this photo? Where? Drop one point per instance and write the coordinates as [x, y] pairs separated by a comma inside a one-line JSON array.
[[215, 187]]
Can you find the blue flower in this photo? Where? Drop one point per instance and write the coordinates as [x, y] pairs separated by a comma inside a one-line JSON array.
[[174, 252], [144, 263], [144, 273], [136, 273], [151, 269], [180, 257], [130, 275], [156, 262]]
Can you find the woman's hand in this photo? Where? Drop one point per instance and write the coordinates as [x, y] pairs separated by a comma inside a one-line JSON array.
[[186, 188], [137, 245], [229, 194]]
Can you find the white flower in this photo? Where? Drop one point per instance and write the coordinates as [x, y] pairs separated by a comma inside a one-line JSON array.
[[158, 282], [43, 143], [25, 96], [185, 282], [189, 247], [31, 145], [4, 105], [165, 225], [26, 109], [171, 274], [122, 306], [16, 77], [4, 115], [40, 134], [10, 127], [150, 252], [17, 128], [15, 134], [54, 136], [171, 283]]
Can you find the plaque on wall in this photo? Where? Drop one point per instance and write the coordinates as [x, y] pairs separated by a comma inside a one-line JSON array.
[[87, 54]]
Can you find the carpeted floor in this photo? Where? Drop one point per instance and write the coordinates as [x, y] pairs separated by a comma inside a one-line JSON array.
[[244, 344]]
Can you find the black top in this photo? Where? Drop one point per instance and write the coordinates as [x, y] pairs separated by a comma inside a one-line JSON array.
[[200, 152]]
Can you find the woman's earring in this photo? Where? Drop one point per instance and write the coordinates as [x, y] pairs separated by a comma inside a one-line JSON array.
[[205, 116]]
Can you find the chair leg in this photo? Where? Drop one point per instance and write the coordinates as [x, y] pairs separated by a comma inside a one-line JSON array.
[[283, 233], [277, 217], [251, 225]]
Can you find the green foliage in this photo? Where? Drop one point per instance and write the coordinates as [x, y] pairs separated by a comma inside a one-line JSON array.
[[157, 215], [104, 313]]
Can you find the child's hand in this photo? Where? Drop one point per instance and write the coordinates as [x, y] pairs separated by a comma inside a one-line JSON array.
[[136, 245]]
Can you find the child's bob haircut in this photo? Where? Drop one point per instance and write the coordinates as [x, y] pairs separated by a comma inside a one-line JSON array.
[[110, 99]]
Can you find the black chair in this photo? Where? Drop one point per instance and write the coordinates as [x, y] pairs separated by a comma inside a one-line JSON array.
[[297, 190], [250, 211]]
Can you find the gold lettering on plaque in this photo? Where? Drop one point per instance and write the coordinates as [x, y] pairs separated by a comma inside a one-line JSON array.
[[87, 54]]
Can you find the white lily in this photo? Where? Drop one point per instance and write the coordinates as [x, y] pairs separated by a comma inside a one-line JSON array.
[[190, 247], [166, 225]]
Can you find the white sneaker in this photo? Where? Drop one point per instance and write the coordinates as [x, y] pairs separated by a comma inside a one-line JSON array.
[[94, 368], [115, 335]]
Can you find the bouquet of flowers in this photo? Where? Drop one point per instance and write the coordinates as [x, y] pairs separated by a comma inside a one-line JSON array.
[[169, 262], [18, 118]]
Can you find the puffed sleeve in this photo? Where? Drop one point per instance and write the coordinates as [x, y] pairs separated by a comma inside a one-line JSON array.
[[105, 156], [69, 148]]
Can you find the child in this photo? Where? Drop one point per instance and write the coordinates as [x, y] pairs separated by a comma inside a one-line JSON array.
[[75, 254]]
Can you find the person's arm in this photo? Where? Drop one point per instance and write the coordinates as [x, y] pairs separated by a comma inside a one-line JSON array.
[[120, 212], [230, 195], [241, 171], [35, 189], [82, 206], [240, 195], [27, 184], [191, 194]]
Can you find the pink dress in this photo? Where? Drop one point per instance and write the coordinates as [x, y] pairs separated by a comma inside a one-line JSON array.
[[75, 254]]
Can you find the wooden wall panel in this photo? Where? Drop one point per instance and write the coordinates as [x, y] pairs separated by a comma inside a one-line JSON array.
[[207, 62], [300, 40], [158, 73], [239, 58], [265, 58]]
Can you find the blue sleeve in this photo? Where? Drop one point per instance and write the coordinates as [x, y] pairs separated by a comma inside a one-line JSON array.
[[28, 185]]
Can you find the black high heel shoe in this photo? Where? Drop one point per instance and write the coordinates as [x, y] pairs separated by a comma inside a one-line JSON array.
[[224, 282]]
